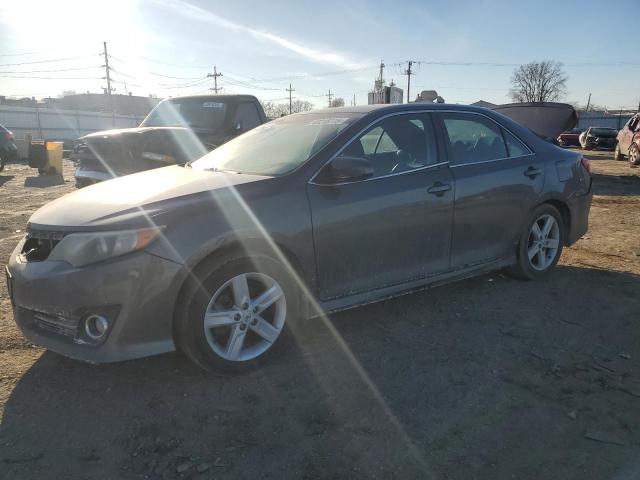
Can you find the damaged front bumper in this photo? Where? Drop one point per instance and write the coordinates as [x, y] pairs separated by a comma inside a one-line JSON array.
[[53, 303]]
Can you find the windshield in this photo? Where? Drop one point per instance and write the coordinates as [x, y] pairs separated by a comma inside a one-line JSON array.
[[199, 113], [603, 132], [277, 147]]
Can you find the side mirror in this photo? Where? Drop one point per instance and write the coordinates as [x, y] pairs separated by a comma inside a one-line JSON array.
[[350, 169]]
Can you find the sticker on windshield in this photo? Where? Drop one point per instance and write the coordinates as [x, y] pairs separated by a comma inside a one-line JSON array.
[[213, 105], [329, 121]]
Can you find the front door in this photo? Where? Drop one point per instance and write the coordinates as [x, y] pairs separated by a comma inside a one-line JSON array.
[[498, 180], [393, 227]]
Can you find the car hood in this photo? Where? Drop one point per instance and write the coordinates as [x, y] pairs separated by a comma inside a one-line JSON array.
[[547, 119], [125, 131], [125, 198]]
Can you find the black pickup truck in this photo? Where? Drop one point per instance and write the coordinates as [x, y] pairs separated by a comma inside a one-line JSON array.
[[177, 130]]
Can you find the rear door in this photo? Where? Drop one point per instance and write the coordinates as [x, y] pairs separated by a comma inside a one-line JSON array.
[[393, 227], [498, 179]]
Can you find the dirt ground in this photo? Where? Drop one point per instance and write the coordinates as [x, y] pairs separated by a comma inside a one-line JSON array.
[[489, 378]]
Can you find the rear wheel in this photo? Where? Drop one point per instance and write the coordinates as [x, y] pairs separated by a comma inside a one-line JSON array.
[[617, 154], [634, 155], [540, 245], [236, 315], [1, 162]]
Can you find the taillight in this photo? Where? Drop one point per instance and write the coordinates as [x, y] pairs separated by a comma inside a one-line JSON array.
[[8, 135], [586, 164]]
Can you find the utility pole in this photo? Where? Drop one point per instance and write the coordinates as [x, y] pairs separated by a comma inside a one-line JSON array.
[[290, 103], [329, 95], [106, 67], [408, 73], [588, 103], [354, 99], [215, 76]]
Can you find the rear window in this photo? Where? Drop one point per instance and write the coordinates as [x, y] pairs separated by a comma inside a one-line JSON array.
[[195, 113]]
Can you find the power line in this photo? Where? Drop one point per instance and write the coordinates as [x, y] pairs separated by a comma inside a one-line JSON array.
[[46, 61], [53, 71], [52, 78]]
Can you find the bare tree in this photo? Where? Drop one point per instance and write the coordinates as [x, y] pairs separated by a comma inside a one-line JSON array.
[[275, 110], [301, 106], [337, 102], [538, 82]]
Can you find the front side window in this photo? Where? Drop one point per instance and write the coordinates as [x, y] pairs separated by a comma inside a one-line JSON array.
[[473, 138], [396, 144]]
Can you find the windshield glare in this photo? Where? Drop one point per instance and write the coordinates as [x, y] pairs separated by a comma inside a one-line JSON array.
[[187, 112], [277, 147]]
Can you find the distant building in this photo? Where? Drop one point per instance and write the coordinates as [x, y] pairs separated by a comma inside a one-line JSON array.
[[483, 103], [90, 102], [386, 94], [99, 102]]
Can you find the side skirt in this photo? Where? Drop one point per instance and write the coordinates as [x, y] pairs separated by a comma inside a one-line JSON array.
[[358, 300]]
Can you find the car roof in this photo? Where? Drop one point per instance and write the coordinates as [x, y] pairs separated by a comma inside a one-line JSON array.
[[227, 97], [400, 107]]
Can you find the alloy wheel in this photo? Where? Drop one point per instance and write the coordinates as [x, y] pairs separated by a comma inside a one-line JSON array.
[[543, 243], [634, 156], [245, 316]]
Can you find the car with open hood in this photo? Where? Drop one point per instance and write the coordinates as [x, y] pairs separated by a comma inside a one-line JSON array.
[[598, 137], [177, 130], [307, 214]]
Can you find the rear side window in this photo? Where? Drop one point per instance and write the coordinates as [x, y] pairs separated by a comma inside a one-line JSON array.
[[247, 116], [473, 138], [515, 148]]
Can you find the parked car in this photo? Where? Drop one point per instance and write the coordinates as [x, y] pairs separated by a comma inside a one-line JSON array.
[[629, 141], [8, 149], [309, 213], [570, 138], [598, 137], [175, 131]]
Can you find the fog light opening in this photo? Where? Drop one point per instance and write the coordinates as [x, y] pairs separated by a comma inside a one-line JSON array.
[[96, 326]]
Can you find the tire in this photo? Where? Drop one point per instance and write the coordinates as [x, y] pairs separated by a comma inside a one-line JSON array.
[[634, 155], [529, 267], [214, 293], [1, 162], [617, 154]]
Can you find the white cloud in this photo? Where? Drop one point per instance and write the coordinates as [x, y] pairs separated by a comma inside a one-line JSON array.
[[196, 13]]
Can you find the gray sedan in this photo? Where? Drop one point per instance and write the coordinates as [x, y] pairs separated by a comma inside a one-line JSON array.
[[305, 215]]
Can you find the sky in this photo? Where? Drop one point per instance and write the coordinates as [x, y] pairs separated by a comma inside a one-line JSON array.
[[466, 50]]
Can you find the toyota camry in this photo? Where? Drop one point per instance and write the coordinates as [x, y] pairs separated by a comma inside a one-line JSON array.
[[307, 214]]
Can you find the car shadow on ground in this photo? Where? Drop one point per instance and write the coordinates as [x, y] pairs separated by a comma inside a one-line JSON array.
[[5, 178], [486, 378], [616, 185]]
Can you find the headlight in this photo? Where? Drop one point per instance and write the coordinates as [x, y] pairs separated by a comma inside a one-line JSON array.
[[83, 248]]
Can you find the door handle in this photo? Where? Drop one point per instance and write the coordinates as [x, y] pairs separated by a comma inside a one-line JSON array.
[[438, 189], [532, 172]]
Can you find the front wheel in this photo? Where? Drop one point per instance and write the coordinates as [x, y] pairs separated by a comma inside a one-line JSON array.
[[540, 245], [617, 154], [634, 155], [236, 315]]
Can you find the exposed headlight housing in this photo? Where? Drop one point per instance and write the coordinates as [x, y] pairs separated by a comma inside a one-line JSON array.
[[80, 249]]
